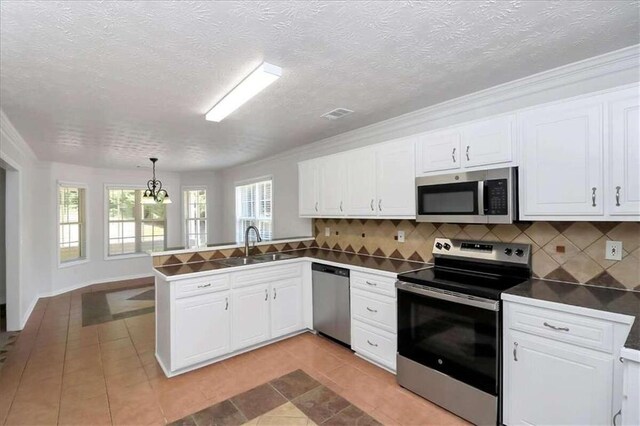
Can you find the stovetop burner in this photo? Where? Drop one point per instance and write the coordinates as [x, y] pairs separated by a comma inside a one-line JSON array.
[[477, 268]]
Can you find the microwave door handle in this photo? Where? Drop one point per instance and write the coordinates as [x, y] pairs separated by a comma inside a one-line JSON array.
[[481, 198]]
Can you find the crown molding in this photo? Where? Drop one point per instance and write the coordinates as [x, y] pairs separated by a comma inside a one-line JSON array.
[[10, 134], [596, 67]]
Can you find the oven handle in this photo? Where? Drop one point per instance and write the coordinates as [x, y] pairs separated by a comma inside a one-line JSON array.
[[481, 197], [476, 302]]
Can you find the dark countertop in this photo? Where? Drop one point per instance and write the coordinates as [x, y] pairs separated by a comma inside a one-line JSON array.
[[585, 296], [348, 259]]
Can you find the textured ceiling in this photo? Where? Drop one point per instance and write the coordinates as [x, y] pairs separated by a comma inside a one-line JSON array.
[[110, 83]]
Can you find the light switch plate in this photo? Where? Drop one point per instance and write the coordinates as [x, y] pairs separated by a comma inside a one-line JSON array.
[[613, 250], [401, 236], [327, 231]]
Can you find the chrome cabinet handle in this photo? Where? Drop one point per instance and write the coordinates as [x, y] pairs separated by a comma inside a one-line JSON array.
[[372, 310], [546, 324], [593, 196], [618, 196], [468, 153], [453, 155], [275, 293], [372, 284], [515, 351], [266, 294], [380, 204], [372, 208], [372, 344], [340, 205], [204, 285], [226, 301], [316, 206], [613, 421]]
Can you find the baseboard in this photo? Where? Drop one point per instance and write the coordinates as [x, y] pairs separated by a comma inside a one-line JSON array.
[[93, 282], [27, 314]]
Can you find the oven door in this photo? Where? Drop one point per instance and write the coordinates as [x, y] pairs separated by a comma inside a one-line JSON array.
[[454, 334]]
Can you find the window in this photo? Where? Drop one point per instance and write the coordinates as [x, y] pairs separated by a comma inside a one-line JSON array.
[[72, 241], [195, 213], [253, 207], [134, 227]]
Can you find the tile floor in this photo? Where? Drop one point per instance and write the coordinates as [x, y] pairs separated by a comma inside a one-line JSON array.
[[60, 372]]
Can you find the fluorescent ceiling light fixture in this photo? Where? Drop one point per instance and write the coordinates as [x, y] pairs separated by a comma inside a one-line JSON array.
[[253, 84]]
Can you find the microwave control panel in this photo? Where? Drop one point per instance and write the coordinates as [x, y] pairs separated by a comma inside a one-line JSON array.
[[497, 196]]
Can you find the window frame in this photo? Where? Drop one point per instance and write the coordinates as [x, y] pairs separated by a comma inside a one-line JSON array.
[[81, 260], [184, 190], [253, 181], [138, 221]]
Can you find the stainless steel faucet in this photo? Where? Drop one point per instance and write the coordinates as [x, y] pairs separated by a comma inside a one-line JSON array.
[[246, 238]]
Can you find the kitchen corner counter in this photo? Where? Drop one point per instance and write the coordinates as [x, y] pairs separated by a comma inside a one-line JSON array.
[[346, 259], [584, 296]]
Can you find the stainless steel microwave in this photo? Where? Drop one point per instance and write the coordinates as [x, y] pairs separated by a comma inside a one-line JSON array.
[[485, 196]]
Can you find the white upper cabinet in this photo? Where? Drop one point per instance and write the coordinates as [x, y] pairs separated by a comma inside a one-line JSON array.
[[488, 141], [438, 151], [395, 179], [624, 157], [361, 197], [332, 174], [308, 194], [562, 158]]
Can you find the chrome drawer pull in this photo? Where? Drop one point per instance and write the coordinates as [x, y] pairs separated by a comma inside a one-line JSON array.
[[618, 196], [266, 294], [275, 293], [226, 306], [593, 196], [515, 351], [204, 285], [453, 155], [316, 206], [372, 310], [372, 284], [380, 204], [372, 209], [546, 324], [372, 344], [340, 205], [468, 153]]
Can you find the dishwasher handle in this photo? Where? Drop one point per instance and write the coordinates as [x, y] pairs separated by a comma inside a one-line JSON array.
[[328, 269]]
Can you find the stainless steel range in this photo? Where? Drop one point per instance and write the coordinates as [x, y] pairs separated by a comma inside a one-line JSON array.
[[449, 325]]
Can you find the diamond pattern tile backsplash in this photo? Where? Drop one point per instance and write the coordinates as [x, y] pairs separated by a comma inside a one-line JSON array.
[[563, 251]]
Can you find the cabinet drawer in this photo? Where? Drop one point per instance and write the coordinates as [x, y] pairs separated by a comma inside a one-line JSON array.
[[375, 344], [375, 283], [375, 309], [195, 286], [265, 274], [567, 327]]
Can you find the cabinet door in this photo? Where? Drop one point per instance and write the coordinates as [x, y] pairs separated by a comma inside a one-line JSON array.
[[202, 328], [551, 383], [308, 203], [332, 180], [438, 151], [488, 141], [286, 307], [360, 199], [395, 178], [561, 168], [624, 171], [250, 323]]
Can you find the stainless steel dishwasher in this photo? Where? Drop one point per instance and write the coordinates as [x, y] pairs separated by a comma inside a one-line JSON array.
[[331, 302]]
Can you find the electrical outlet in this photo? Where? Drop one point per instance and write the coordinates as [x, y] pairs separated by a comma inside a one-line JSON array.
[[327, 231], [613, 250], [401, 236]]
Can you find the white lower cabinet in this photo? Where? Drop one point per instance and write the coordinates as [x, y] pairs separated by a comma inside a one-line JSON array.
[[202, 328], [553, 383], [561, 366], [286, 307], [250, 315]]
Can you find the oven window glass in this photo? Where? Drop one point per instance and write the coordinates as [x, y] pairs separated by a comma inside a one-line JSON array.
[[448, 199], [458, 340]]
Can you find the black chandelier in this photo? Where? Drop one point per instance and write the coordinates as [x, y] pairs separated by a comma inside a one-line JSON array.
[[154, 192]]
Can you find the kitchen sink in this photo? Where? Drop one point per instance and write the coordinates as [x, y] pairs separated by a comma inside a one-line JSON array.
[[274, 256], [239, 261]]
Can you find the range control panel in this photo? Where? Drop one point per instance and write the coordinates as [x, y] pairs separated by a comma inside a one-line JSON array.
[[486, 250]]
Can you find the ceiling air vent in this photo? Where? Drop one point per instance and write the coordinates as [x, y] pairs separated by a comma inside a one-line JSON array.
[[336, 113]]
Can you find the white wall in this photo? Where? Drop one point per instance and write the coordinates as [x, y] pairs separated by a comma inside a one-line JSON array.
[[610, 70], [212, 182], [99, 267], [3, 251], [28, 254]]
